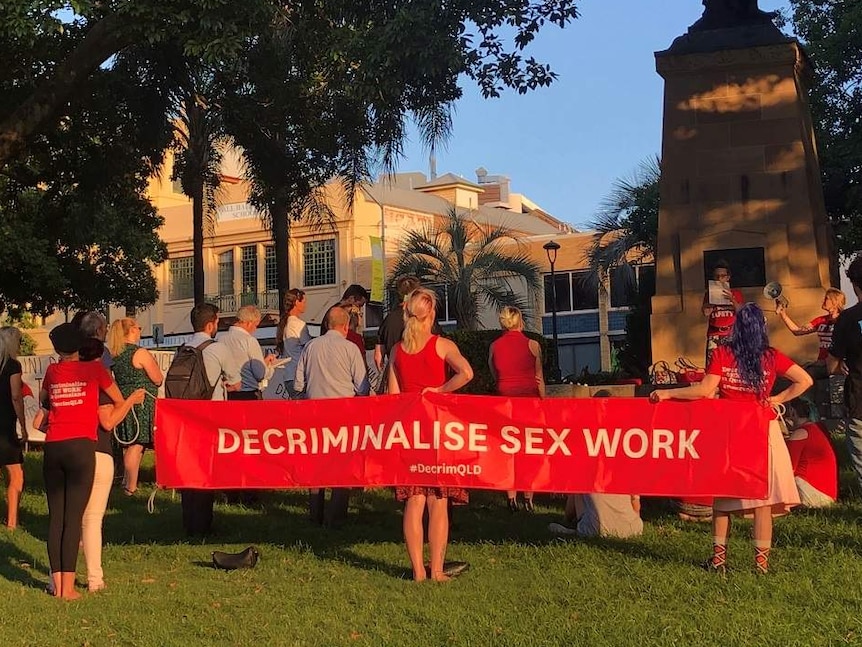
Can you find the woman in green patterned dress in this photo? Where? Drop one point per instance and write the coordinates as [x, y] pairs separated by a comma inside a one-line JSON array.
[[134, 368]]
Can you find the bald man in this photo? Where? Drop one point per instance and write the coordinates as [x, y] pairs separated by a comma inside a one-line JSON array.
[[331, 367]]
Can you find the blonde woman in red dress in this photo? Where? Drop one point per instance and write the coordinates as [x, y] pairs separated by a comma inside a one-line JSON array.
[[515, 361], [420, 364]]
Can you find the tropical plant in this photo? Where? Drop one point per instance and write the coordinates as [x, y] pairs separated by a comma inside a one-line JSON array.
[[626, 226], [626, 223], [474, 264]]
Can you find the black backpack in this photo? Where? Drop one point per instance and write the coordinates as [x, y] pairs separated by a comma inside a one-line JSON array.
[[186, 378]]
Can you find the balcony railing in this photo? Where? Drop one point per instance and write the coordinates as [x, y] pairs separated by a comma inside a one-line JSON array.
[[230, 303]]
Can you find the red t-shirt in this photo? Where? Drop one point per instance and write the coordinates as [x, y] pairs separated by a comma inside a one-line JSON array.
[[73, 392], [814, 459], [357, 339], [723, 365], [722, 318], [823, 325]]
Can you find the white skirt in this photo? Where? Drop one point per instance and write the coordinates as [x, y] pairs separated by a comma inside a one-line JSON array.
[[783, 493]]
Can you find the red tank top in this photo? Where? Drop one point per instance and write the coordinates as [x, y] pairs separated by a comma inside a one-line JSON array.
[[515, 365], [417, 371]]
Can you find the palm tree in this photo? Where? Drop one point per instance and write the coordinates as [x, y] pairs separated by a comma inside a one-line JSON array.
[[626, 226], [199, 142], [626, 223], [474, 263]]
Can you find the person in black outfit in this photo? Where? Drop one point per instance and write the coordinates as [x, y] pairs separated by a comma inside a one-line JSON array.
[[845, 356], [11, 415]]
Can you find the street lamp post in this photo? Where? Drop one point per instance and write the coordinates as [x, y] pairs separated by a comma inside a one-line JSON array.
[[551, 248]]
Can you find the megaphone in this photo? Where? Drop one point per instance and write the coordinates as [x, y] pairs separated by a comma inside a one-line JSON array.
[[773, 290]]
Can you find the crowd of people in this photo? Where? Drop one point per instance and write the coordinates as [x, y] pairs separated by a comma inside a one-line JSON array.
[[99, 398]]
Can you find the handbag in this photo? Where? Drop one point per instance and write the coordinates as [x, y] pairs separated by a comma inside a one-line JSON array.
[[661, 373], [688, 372]]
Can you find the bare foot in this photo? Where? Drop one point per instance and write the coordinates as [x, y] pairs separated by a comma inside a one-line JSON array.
[[71, 595], [95, 588], [419, 577], [440, 577]]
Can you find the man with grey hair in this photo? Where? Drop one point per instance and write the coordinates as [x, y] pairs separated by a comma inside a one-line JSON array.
[[331, 366], [247, 356], [93, 325]]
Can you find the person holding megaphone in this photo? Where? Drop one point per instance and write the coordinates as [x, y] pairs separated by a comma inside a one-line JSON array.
[[833, 303]]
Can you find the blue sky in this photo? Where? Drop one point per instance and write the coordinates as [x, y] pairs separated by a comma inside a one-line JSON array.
[[563, 146]]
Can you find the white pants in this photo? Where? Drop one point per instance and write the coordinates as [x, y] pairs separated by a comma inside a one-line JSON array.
[[91, 535]]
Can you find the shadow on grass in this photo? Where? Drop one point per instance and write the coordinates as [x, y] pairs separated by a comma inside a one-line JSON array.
[[18, 566]]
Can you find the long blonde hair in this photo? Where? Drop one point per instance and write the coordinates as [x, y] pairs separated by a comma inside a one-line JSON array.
[[116, 341], [10, 343], [419, 313], [511, 318]]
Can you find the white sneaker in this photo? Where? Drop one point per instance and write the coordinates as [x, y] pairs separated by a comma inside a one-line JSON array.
[[560, 529]]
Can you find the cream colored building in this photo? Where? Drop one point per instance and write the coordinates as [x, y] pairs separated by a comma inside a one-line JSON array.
[[239, 257]]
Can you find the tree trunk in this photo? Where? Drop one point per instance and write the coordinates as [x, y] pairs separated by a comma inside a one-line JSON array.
[[198, 239], [107, 37], [281, 240]]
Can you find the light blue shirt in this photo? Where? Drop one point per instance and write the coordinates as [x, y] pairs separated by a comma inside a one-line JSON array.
[[331, 367], [217, 361], [246, 353]]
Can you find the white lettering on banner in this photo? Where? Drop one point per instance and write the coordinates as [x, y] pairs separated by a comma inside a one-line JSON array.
[[637, 442], [458, 436]]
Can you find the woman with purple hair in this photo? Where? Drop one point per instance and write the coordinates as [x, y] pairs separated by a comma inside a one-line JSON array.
[[746, 369]]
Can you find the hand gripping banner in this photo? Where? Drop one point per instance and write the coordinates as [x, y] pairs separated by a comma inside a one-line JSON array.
[[614, 445]]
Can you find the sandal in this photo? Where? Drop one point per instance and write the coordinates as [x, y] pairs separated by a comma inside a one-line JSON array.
[[129, 492]]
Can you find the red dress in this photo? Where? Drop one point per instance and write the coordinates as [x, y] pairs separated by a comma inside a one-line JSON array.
[[814, 460], [415, 372], [515, 365]]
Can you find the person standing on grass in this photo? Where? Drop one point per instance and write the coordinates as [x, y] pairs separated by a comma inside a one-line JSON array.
[[11, 416], [331, 367], [292, 336], [515, 362], [745, 370], [419, 365], [134, 368], [71, 389], [845, 356], [103, 476]]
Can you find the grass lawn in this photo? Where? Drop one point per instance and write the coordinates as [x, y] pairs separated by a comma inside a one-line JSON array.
[[349, 586]]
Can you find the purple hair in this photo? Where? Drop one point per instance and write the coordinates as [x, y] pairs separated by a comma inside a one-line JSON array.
[[750, 346]]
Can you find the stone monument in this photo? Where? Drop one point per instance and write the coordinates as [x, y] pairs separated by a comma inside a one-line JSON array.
[[740, 179]]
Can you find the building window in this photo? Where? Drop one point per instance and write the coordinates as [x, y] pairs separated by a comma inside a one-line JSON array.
[[181, 278], [575, 292], [248, 269], [270, 270], [225, 273], [318, 262]]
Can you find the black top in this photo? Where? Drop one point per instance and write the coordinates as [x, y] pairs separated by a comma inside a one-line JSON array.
[[7, 411], [103, 437], [847, 346], [392, 329]]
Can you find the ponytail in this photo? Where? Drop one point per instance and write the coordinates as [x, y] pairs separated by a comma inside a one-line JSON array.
[[116, 340], [419, 314]]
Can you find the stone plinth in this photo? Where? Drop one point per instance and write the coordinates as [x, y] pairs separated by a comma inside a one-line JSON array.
[[739, 170]]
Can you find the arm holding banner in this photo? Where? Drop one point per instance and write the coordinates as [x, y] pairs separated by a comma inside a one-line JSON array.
[[703, 389]]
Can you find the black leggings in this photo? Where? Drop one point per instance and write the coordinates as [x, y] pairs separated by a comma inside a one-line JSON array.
[[68, 467]]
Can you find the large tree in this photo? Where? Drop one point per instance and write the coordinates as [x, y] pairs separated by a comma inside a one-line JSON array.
[[331, 89], [832, 37], [77, 230], [473, 264]]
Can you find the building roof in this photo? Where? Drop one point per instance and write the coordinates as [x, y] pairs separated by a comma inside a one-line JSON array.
[[449, 179]]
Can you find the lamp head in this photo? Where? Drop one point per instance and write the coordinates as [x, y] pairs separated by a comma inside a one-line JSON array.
[[551, 248]]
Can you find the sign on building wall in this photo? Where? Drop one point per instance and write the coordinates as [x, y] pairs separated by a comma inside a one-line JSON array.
[[236, 211], [377, 287]]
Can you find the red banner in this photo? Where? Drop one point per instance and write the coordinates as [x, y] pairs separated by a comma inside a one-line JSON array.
[[615, 445]]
